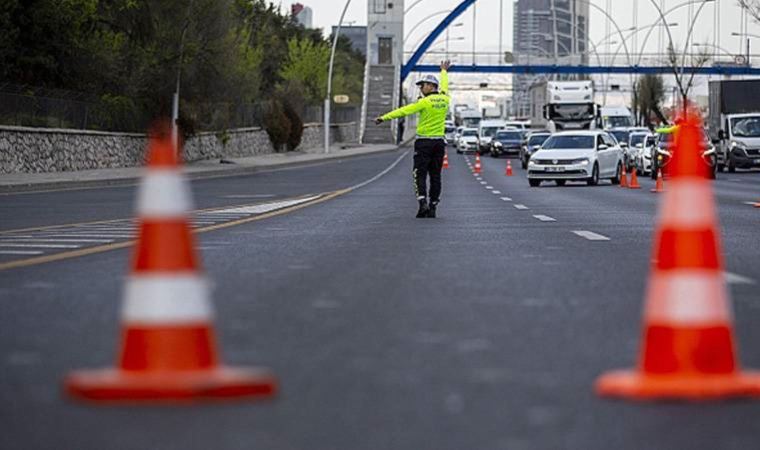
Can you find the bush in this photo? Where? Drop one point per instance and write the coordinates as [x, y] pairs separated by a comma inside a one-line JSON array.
[[296, 126], [277, 124]]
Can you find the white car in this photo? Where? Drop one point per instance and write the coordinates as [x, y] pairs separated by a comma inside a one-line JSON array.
[[576, 156], [641, 144], [468, 141], [450, 132]]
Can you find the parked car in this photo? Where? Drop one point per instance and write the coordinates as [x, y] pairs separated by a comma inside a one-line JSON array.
[[468, 141], [531, 144], [577, 156], [506, 142]]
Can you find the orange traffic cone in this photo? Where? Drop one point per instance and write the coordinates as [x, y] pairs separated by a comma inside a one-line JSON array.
[[477, 164], [659, 185], [634, 181], [445, 160], [688, 349], [623, 178], [167, 339], [508, 171]]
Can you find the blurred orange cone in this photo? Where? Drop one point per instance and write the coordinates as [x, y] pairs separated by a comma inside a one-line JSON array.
[[623, 178], [445, 160], [477, 164], [167, 340], [634, 181], [508, 171], [688, 349], [659, 185]]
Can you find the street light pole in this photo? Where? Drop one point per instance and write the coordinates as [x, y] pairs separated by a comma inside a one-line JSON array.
[[329, 78]]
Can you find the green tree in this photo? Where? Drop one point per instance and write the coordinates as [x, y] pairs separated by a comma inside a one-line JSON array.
[[306, 64], [650, 93]]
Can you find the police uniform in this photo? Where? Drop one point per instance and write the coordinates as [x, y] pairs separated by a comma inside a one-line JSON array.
[[430, 145]]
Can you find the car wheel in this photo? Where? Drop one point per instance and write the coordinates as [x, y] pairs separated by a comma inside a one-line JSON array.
[[560, 182], [618, 175], [534, 183], [594, 180]]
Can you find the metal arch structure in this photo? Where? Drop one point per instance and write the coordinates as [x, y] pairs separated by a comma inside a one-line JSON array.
[[568, 69], [410, 65]]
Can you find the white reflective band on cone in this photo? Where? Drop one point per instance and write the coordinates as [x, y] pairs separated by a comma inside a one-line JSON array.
[[688, 203], [163, 193], [167, 299], [688, 297]]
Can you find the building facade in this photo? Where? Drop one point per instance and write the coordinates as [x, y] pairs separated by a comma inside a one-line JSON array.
[[547, 32]]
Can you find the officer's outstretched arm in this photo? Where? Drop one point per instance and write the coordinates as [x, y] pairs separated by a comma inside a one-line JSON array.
[[404, 111]]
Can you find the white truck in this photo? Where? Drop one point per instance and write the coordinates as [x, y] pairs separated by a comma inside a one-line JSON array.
[[615, 117], [734, 122], [469, 118], [563, 105]]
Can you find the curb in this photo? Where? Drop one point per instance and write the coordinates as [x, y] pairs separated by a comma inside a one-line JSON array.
[[211, 173]]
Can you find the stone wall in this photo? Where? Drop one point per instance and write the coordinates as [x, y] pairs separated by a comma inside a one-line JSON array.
[[35, 150]]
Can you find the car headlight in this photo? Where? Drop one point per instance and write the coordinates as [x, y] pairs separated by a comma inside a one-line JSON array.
[[497, 144], [735, 144], [581, 162], [532, 163], [709, 151]]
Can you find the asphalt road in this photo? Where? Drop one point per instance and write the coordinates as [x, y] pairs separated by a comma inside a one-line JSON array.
[[482, 329]]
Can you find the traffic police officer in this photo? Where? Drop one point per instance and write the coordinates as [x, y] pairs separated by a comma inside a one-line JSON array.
[[430, 146]]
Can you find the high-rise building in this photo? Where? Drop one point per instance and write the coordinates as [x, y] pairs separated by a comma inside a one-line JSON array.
[[302, 14], [547, 32]]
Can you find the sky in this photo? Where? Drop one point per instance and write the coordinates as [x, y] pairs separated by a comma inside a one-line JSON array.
[[327, 13]]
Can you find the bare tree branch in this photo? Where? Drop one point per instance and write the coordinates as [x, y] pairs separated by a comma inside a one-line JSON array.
[[752, 7]]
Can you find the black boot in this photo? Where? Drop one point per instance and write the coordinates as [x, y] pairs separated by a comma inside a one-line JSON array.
[[424, 210], [431, 209]]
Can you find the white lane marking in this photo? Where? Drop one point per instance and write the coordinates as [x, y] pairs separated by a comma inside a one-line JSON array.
[[62, 241], [506, 199], [496, 192], [20, 252], [115, 236], [250, 196], [733, 278], [519, 206], [483, 183], [377, 177], [3, 244], [479, 178], [267, 207], [591, 236], [752, 203], [544, 218], [489, 187]]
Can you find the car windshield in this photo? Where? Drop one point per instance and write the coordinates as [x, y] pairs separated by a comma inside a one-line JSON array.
[[509, 135], [620, 135], [469, 133], [637, 139], [617, 121], [538, 139], [569, 142], [745, 127], [488, 131], [571, 111]]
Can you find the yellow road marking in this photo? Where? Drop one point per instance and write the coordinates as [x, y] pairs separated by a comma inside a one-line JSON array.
[[108, 247]]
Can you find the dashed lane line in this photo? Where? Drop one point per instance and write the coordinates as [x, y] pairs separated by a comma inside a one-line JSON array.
[[15, 245], [506, 199], [496, 192], [519, 206], [489, 187], [543, 218], [591, 236], [733, 278]]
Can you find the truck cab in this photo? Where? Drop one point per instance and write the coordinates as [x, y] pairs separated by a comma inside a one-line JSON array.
[[567, 105], [734, 123]]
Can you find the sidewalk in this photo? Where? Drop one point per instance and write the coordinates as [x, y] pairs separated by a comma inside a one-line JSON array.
[[20, 182]]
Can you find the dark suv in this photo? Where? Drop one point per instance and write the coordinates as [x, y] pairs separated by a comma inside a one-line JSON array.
[[506, 142], [532, 142]]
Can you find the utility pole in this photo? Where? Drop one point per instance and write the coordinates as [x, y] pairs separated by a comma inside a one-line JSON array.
[[329, 79], [501, 30], [474, 29]]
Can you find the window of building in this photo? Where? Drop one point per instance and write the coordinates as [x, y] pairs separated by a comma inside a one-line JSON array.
[[379, 6]]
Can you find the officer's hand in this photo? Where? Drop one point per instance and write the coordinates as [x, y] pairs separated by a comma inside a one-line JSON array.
[[445, 65], [378, 120]]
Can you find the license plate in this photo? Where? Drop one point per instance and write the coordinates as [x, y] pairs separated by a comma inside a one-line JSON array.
[[555, 169]]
